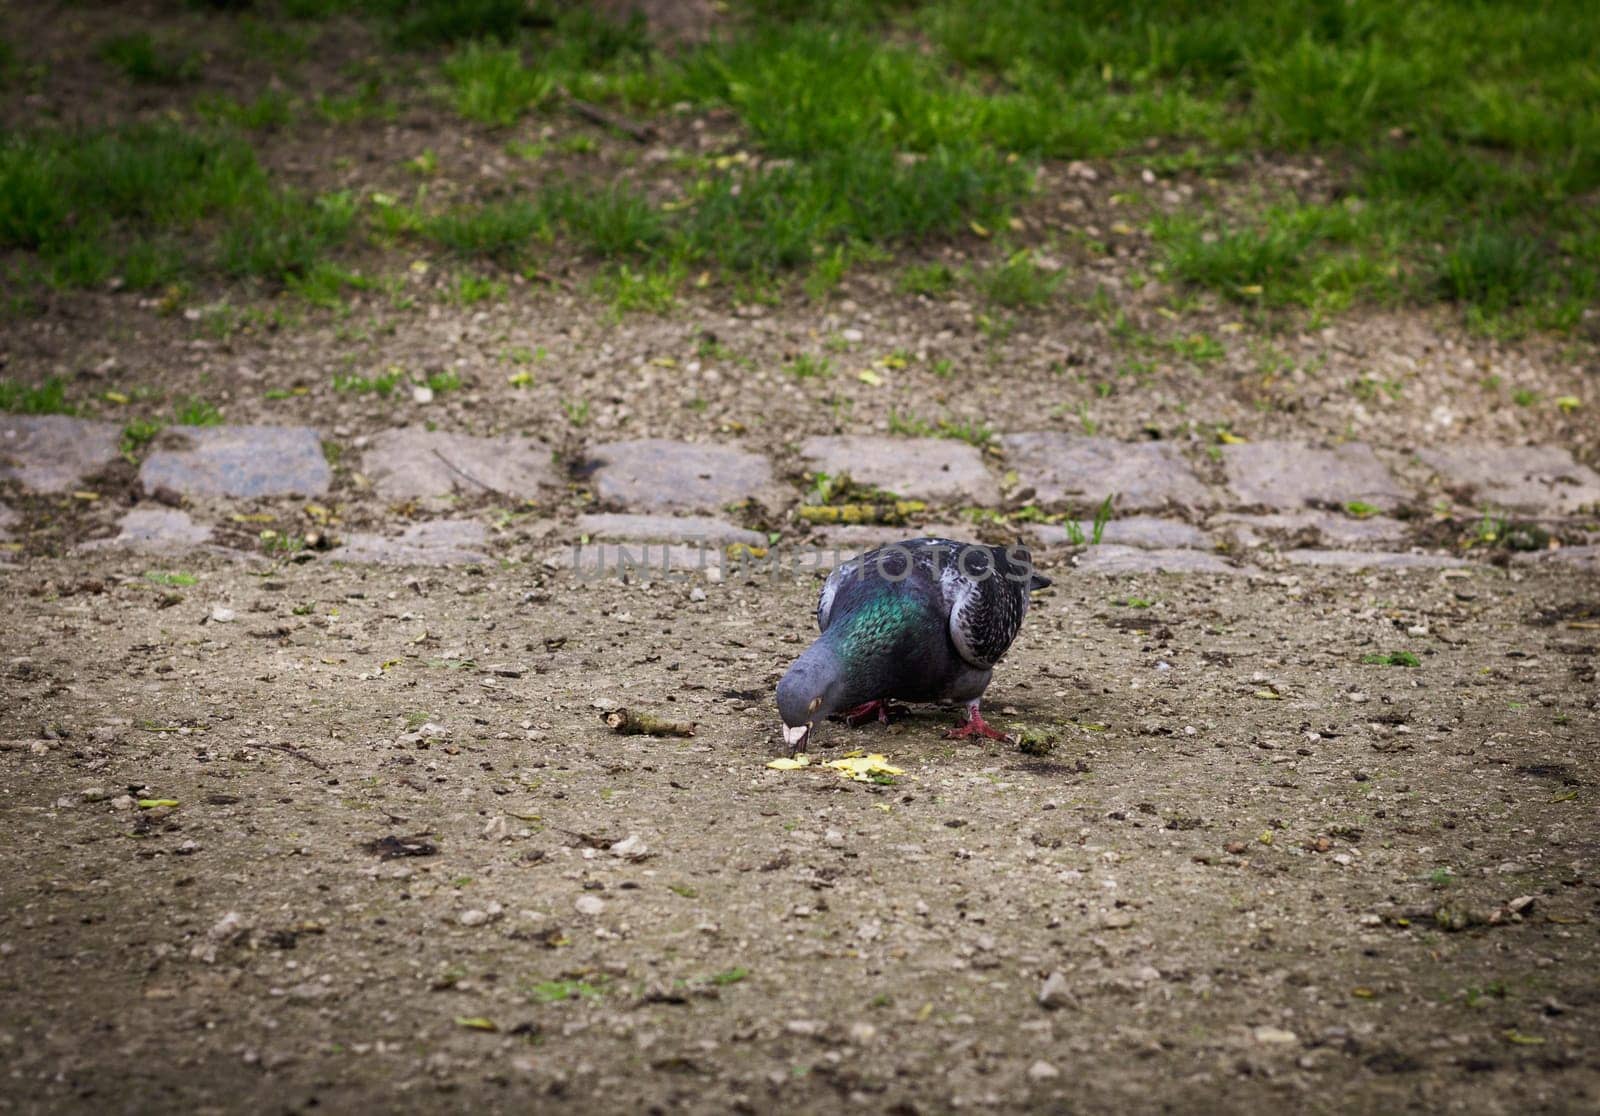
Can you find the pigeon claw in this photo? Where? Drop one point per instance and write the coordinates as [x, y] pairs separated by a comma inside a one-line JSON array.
[[868, 711], [975, 725]]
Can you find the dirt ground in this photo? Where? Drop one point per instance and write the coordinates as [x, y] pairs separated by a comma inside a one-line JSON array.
[[1267, 873], [354, 839]]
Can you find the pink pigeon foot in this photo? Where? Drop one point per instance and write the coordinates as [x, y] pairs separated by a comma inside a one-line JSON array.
[[861, 714], [975, 725]]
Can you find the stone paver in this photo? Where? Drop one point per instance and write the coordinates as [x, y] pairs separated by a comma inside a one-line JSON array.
[[438, 542], [934, 469], [240, 461], [861, 536], [1584, 558], [155, 529], [1376, 560], [1538, 479], [1063, 468], [1291, 475], [1338, 530], [55, 453], [613, 526], [1147, 531], [656, 475], [1111, 560], [646, 561], [413, 463]]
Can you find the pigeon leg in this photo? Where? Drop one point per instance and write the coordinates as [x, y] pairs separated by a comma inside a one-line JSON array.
[[974, 725], [861, 714]]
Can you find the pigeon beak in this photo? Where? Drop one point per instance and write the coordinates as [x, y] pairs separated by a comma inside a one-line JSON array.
[[796, 737]]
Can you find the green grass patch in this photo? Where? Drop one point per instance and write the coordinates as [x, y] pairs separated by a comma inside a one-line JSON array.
[[137, 435], [194, 411], [470, 289], [652, 289], [933, 279], [417, 23], [1392, 658], [48, 398], [172, 578], [382, 385], [368, 102], [556, 991], [807, 366], [503, 231], [272, 109], [908, 424], [1018, 282], [141, 59], [1458, 148], [147, 204], [489, 83]]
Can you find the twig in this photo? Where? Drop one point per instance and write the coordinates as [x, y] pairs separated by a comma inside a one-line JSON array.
[[454, 468], [639, 133], [629, 723], [296, 753], [553, 280]]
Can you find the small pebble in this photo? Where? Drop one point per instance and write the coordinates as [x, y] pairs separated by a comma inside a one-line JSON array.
[[1055, 992]]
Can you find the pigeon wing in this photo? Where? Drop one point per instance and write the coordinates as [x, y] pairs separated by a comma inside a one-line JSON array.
[[988, 596]]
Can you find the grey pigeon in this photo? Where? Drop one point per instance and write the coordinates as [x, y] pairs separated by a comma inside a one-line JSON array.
[[922, 620]]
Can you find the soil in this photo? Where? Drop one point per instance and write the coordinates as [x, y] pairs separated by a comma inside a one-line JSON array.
[[1267, 872], [361, 841]]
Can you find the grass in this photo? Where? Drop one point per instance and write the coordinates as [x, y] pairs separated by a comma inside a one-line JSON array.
[[137, 435], [470, 289], [171, 578], [48, 398], [1102, 516], [196, 412], [366, 103], [555, 991], [141, 59], [1459, 147], [935, 280], [909, 425], [806, 366], [148, 204], [1018, 282], [645, 288], [502, 231], [1392, 658], [382, 385], [489, 83], [273, 109], [418, 23]]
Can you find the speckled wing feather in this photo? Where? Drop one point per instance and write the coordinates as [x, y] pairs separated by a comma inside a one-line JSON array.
[[987, 588], [984, 589]]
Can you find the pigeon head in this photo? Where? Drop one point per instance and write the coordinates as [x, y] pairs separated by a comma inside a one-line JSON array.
[[811, 689]]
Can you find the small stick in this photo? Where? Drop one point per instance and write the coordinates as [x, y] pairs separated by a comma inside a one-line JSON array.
[[639, 133], [296, 753], [553, 280], [454, 468], [627, 723]]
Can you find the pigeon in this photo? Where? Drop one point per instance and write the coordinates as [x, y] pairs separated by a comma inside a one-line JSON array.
[[921, 620]]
